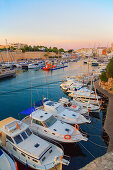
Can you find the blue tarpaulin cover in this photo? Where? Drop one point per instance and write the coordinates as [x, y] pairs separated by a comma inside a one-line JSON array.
[[28, 111]]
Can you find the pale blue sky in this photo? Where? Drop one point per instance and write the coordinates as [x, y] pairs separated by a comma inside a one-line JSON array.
[[62, 23]]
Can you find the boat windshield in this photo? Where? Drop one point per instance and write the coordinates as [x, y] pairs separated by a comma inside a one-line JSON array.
[[28, 132], [23, 134], [18, 139], [60, 108], [50, 121]]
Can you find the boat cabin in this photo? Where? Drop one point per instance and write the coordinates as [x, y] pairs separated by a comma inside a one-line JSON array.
[[18, 140], [43, 118]]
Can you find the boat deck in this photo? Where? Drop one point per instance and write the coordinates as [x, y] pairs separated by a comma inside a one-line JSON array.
[[27, 120]]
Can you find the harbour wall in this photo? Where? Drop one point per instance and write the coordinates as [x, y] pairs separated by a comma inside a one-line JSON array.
[[101, 163], [108, 124], [105, 161], [16, 55]]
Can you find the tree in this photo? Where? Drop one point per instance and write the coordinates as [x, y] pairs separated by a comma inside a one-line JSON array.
[[50, 49], [61, 50], [12, 48], [55, 50], [70, 51], [109, 68], [46, 55], [103, 76]]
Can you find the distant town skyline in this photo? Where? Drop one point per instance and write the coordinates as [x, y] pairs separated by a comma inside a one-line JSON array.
[[62, 23]]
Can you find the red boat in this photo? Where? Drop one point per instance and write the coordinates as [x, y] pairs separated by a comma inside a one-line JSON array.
[[48, 67]]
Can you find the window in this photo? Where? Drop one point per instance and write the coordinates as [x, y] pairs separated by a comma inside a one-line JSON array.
[[50, 121], [50, 151], [60, 108], [35, 160], [43, 159], [14, 148], [24, 135], [18, 139], [36, 145], [37, 122], [9, 138], [50, 103], [28, 132], [23, 154]]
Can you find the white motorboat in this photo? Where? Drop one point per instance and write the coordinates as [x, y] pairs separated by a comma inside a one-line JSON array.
[[33, 66], [82, 107], [6, 162], [63, 114], [46, 125], [17, 139], [71, 85], [84, 93], [87, 100]]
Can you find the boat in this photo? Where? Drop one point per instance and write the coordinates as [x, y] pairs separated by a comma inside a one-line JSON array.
[[82, 107], [84, 93], [17, 139], [34, 66], [71, 85], [47, 126], [7, 74], [6, 162], [48, 67], [64, 114]]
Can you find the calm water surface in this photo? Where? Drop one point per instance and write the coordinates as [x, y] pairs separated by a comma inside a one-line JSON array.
[[15, 96]]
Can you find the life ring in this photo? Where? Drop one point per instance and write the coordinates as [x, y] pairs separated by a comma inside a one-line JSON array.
[[76, 127], [74, 106], [67, 137]]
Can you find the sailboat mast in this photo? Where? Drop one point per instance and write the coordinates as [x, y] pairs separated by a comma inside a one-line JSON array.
[[7, 52]]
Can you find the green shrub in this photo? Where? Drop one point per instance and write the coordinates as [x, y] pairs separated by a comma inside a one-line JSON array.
[[103, 76], [109, 68]]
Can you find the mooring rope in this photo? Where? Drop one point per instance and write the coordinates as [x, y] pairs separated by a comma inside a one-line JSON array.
[[88, 151]]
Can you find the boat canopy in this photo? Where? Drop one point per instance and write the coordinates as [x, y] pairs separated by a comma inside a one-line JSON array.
[[6, 121], [28, 111]]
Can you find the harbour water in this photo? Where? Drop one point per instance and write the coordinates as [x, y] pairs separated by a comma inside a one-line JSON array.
[[19, 93]]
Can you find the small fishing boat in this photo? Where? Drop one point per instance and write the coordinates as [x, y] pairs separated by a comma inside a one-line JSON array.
[[17, 139], [6, 162], [47, 126], [7, 74], [84, 93], [48, 67], [64, 114], [82, 107], [71, 85]]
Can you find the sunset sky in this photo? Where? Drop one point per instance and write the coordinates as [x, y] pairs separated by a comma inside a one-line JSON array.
[[62, 23]]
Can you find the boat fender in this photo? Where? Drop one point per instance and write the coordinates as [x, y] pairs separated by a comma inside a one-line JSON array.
[[61, 157], [88, 110], [101, 107], [0, 134], [16, 165], [76, 127], [67, 137]]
